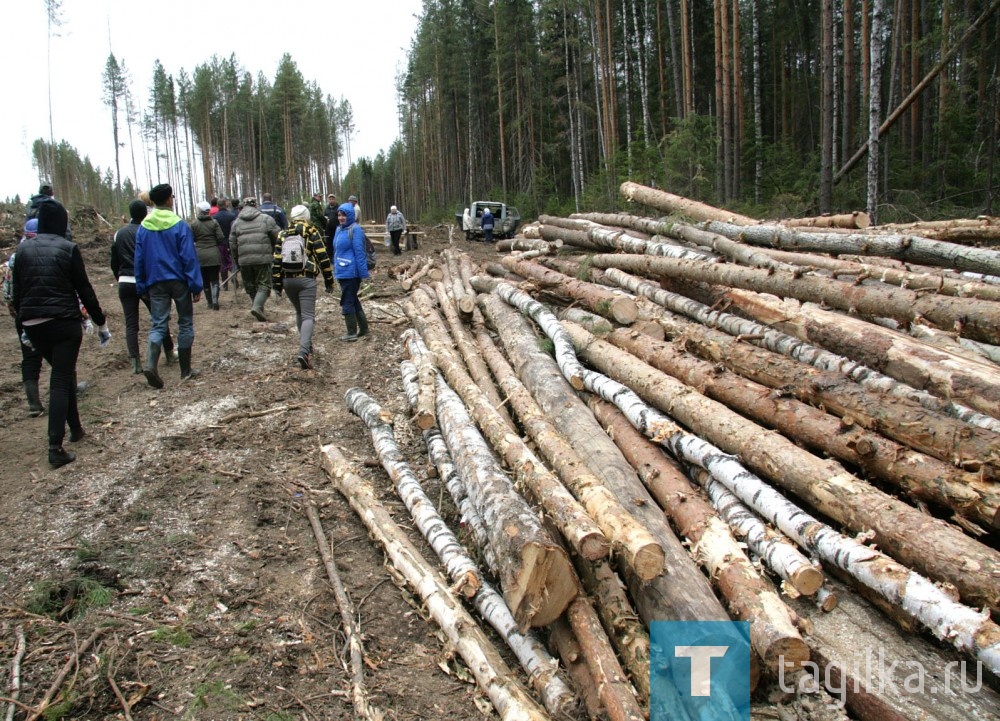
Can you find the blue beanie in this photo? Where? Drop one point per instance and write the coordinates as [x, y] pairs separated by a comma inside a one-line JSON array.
[[31, 226]]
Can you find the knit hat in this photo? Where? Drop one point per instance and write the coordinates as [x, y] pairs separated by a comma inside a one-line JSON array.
[[161, 193], [52, 218], [392, 208], [31, 227], [299, 212], [203, 207], [46, 189], [137, 210]]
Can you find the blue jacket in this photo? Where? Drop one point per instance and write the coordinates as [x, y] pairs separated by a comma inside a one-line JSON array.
[[164, 250], [349, 257], [276, 212], [487, 221]]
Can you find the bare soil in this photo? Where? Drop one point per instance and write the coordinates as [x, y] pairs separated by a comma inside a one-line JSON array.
[[180, 531]]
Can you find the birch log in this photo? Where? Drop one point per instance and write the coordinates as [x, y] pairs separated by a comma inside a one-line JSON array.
[[907, 534], [858, 219], [910, 248], [511, 701], [979, 320], [921, 476], [966, 629], [630, 540], [683, 503], [799, 350], [772, 633], [589, 236], [566, 513], [675, 204]]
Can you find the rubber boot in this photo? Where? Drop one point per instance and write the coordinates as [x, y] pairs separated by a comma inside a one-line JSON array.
[[136, 366], [150, 369], [59, 457], [35, 407], [215, 294], [351, 320], [207, 290], [186, 370], [258, 304], [362, 324]]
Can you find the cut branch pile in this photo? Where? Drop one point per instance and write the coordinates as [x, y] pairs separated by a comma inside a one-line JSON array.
[[784, 419]]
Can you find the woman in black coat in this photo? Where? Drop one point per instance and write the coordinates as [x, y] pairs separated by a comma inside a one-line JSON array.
[[50, 281]]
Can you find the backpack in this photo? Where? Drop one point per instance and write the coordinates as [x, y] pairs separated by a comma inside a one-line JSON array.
[[369, 248], [293, 254]]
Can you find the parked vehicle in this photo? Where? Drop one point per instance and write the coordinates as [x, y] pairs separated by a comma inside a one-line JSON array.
[[506, 219]]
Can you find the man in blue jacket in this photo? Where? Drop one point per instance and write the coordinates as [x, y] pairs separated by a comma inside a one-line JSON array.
[[166, 267], [269, 207]]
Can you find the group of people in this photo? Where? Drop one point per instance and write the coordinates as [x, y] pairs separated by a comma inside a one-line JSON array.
[[164, 262]]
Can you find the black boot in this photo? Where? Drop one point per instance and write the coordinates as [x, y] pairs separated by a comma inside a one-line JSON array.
[[207, 290], [35, 407], [186, 371], [362, 324], [351, 320], [150, 369], [59, 457], [136, 366]]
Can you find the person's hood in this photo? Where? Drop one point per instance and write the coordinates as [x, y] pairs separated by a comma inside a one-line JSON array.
[[204, 215], [249, 212], [348, 210], [160, 219]]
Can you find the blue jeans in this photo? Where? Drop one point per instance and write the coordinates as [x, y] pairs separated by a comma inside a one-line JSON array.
[[160, 296], [130, 309], [349, 303]]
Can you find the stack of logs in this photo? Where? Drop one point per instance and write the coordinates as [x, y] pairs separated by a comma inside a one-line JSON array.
[[654, 419]]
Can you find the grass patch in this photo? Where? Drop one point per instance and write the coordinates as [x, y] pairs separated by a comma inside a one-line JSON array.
[[68, 600], [177, 636]]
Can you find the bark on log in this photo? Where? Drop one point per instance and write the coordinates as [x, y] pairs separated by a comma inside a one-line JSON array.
[[561, 637], [630, 540], [427, 270], [963, 627], [910, 248], [687, 508], [624, 627], [566, 513], [925, 478], [548, 248], [858, 219], [602, 301], [609, 678], [598, 325], [973, 382], [682, 593], [904, 532], [750, 598], [793, 347], [511, 701], [594, 238], [675, 204], [979, 320], [459, 566], [737, 252]]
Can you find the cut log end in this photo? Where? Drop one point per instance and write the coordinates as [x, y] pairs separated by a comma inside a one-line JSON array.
[[424, 420], [648, 561], [624, 311], [807, 580], [544, 587], [594, 547], [792, 652]]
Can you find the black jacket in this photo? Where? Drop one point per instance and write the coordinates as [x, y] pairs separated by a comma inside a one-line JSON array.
[[225, 220], [123, 250], [49, 275]]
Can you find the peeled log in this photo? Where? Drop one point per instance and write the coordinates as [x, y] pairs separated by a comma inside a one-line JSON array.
[[772, 633], [858, 219], [675, 204], [977, 319], [602, 301], [511, 701], [907, 534]]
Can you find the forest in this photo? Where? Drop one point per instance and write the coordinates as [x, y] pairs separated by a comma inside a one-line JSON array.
[[793, 107]]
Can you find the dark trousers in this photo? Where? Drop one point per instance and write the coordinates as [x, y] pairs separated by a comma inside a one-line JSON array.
[[31, 359], [130, 308], [349, 302], [394, 236], [58, 341]]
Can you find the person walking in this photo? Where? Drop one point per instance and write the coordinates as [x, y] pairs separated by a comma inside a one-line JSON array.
[[252, 242], [31, 359], [45, 194], [299, 255], [225, 218], [316, 214], [208, 236], [123, 266], [350, 267], [166, 267], [330, 227], [395, 224], [277, 213], [487, 225], [49, 282]]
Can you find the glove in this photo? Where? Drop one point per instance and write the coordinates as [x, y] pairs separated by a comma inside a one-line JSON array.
[[104, 335], [26, 341], [88, 325]]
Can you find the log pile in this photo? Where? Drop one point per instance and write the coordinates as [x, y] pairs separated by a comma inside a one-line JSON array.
[[644, 419]]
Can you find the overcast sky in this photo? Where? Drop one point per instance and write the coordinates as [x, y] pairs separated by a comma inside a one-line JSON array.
[[354, 50]]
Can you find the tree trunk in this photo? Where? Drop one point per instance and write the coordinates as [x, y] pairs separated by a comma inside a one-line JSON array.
[[857, 220], [511, 701], [979, 320], [904, 532], [826, 107], [593, 238], [670, 204], [922, 477], [772, 634], [631, 541]]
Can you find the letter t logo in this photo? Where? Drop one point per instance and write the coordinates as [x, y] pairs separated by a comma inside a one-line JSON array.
[[701, 665]]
